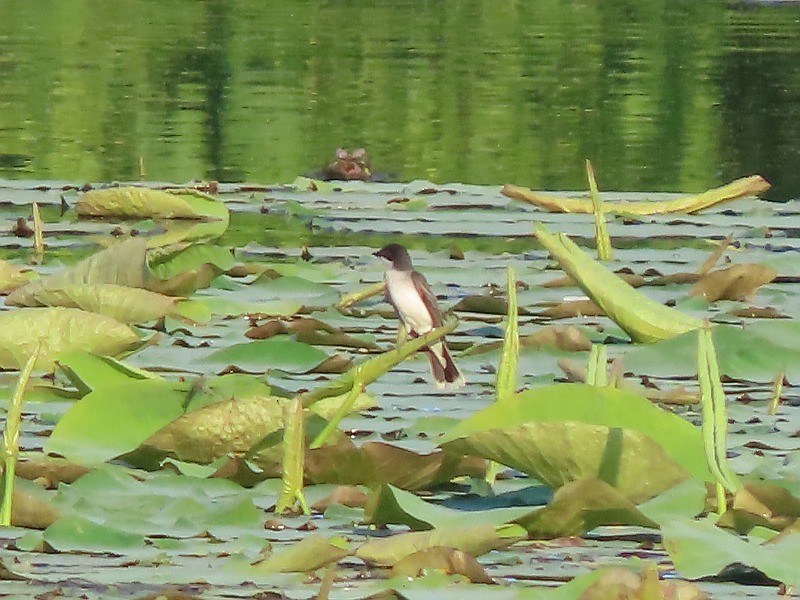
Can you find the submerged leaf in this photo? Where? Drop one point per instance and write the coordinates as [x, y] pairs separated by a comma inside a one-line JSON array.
[[59, 330]]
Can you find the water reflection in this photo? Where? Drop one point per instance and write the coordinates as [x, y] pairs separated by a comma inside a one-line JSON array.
[[661, 95]]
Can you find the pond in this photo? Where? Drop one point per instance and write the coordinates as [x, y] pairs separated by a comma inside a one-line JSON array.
[[130, 532], [661, 96]]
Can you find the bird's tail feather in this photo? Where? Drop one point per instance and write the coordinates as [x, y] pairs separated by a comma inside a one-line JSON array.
[[444, 371]]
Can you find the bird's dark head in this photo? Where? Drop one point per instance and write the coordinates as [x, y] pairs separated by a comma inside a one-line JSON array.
[[397, 255]]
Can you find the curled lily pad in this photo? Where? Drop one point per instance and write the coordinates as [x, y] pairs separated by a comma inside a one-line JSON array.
[[58, 330], [580, 506], [10, 277], [376, 463], [206, 434], [126, 304], [122, 264], [561, 433], [138, 203]]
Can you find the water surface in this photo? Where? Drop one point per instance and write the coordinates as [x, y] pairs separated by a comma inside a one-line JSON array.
[[660, 95]]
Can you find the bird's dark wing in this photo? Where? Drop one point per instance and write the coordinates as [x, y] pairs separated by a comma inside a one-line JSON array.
[[428, 298]]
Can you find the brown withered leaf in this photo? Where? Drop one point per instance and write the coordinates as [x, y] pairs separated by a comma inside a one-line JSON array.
[[446, 560], [346, 495], [633, 279], [569, 338], [676, 279], [30, 511], [622, 584], [49, 471], [376, 463], [334, 364], [489, 305], [573, 308], [764, 504], [755, 312], [737, 282]]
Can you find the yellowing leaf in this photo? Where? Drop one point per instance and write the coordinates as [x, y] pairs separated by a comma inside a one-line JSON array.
[[747, 186], [126, 304], [134, 202], [58, 330]]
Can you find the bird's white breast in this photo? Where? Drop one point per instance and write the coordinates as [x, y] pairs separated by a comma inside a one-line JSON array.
[[408, 301]]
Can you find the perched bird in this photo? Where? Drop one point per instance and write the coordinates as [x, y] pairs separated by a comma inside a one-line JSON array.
[[416, 306]]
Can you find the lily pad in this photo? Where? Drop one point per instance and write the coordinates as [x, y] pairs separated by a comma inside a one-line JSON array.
[[58, 330], [562, 433], [275, 353], [137, 203], [125, 304], [116, 419]]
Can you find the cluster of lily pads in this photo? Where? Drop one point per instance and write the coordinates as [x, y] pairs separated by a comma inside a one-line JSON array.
[[243, 445]]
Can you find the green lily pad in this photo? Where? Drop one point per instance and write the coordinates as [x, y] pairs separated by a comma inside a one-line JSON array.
[[275, 353], [115, 419], [561, 433], [73, 533], [395, 506], [757, 352], [699, 548]]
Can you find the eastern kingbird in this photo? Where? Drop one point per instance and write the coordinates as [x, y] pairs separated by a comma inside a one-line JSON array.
[[416, 306]]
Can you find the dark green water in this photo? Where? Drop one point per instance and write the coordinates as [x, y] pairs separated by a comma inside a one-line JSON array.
[[661, 95]]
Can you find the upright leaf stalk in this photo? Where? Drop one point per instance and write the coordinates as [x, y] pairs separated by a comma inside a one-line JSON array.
[[715, 422], [506, 382], [601, 233], [10, 448]]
